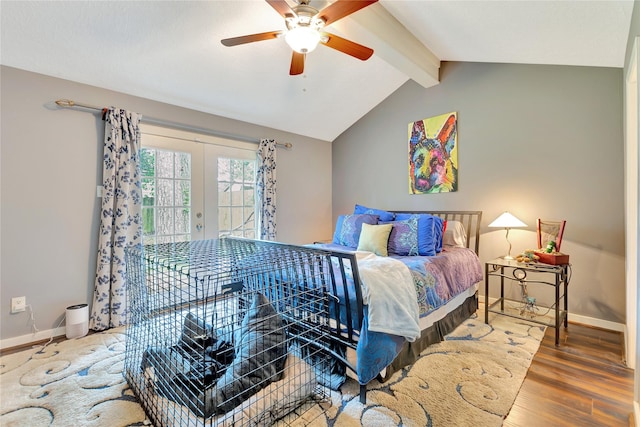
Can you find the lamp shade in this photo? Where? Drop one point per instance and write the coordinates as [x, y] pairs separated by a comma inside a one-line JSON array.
[[506, 220]]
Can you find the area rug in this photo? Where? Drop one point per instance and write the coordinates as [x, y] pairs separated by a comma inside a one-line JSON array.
[[470, 379]]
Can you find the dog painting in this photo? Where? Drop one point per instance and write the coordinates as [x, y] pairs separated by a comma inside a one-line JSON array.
[[433, 155]]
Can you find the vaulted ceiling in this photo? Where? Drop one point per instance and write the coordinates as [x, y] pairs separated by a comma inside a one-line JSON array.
[[170, 51]]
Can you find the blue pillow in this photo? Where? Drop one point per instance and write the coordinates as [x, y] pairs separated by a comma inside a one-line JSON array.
[[438, 229], [403, 239], [348, 228], [384, 215], [426, 232]]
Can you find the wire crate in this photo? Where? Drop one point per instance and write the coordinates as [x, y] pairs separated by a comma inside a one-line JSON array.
[[225, 332]]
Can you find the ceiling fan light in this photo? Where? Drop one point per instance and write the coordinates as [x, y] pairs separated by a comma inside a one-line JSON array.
[[302, 39]]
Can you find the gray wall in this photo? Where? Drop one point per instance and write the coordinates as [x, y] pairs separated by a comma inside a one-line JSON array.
[[50, 166], [539, 141]]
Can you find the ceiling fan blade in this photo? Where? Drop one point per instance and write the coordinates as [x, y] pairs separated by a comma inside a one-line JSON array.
[[347, 46], [282, 8], [234, 41], [297, 64], [341, 8]]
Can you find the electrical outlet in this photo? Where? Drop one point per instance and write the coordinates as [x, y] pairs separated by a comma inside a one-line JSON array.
[[18, 304]]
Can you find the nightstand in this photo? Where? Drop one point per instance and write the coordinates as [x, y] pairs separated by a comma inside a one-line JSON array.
[[556, 276]]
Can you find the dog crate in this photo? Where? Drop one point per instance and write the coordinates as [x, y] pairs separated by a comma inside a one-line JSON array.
[[221, 332]]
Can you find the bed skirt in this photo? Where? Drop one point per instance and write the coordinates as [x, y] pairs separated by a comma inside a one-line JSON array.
[[432, 335]]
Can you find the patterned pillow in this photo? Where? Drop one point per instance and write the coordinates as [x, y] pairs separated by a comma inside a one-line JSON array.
[[403, 239], [426, 234], [348, 228]]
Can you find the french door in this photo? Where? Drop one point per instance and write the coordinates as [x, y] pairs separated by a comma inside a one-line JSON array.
[[195, 186], [230, 191], [172, 189]]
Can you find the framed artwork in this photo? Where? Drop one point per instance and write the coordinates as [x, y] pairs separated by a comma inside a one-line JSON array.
[[433, 155]]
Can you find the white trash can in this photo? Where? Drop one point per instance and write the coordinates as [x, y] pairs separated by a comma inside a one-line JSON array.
[[77, 320]]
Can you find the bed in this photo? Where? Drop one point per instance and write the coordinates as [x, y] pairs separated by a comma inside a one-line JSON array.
[[445, 281], [438, 251]]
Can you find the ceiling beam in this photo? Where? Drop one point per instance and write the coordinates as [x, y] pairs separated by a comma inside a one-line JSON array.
[[393, 43]]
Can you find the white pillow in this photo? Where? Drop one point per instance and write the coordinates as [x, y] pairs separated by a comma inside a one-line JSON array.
[[455, 235]]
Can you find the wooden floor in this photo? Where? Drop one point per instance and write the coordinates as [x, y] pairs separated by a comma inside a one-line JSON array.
[[582, 382]]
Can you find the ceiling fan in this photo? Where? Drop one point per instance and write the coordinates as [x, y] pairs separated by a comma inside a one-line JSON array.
[[305, 29]]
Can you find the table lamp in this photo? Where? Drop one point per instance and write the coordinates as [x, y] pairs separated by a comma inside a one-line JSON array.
[[507, 221]]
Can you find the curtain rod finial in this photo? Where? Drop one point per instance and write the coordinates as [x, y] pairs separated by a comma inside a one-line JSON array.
[[65, 103]]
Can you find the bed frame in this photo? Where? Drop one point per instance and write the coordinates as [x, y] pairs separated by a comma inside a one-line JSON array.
[[345, 330]]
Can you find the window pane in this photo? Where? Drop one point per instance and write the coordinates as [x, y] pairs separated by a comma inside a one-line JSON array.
[[224, 219], [182, 216], [249, 171], [165, 192], [148, 191], [183, 193], [224, 196], [224, 173], [237, 171], [147, 162], [248, 216], [164, 164], [148, 222], [249, 196], [165, 221], [183, 165], [236, 218], [236, 194]]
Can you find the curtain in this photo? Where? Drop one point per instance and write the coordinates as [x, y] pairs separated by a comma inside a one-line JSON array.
[[120, 216], [266, 189]]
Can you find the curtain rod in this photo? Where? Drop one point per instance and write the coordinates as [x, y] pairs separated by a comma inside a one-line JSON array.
[[67, 103]]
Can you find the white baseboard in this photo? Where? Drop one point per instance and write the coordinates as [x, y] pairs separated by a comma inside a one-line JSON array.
[[598, 323], [585, 320], [32, 338]]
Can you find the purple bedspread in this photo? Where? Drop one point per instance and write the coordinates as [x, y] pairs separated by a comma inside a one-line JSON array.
[[442, 277]]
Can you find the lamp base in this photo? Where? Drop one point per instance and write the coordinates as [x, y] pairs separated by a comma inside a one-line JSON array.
[[508, 257]]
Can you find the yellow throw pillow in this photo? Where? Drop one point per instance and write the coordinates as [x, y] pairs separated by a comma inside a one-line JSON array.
[[374, 238]]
